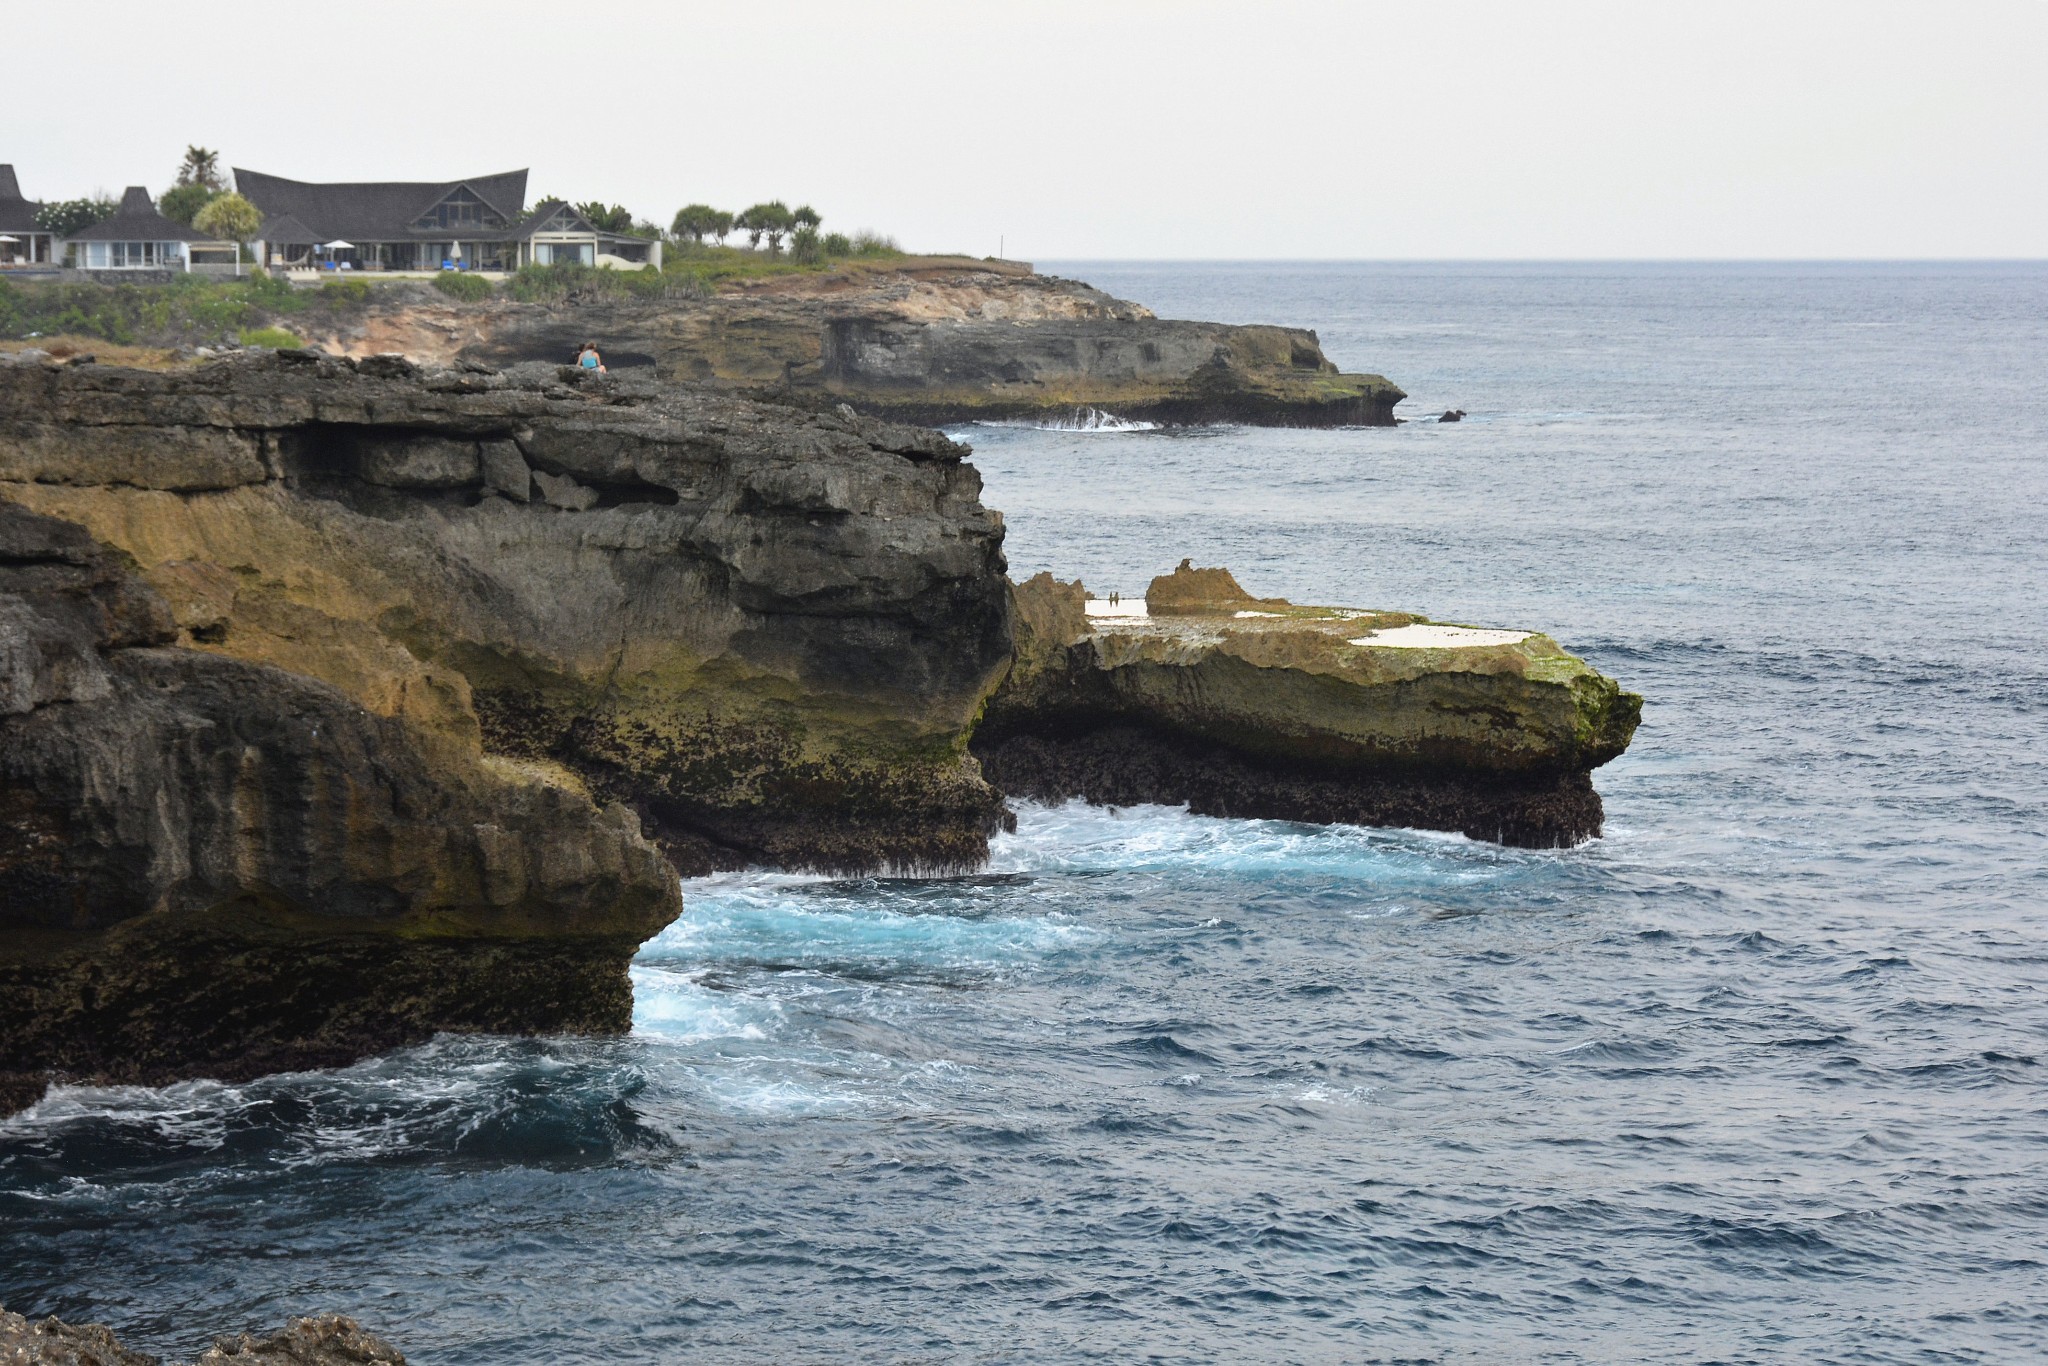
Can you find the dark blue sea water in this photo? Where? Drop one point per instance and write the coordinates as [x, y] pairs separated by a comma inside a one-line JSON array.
[[1760, 1076]]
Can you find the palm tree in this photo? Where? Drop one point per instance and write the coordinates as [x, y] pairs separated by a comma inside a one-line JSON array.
[[201, 167]]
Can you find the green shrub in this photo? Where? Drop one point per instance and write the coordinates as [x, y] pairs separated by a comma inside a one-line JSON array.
[[806, 248], [875, 244], [182, 203], [190, 308], [345, 292], [276, 338], [838, 244], [569, 281], [468, 288]]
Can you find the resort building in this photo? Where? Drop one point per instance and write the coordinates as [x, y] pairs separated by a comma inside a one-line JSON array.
[[137, 237], [477, 224], [22, 243]]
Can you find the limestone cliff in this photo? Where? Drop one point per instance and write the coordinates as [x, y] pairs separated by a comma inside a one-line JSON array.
[[215, 867], [929, 341], [767, 632], [1256, 707]]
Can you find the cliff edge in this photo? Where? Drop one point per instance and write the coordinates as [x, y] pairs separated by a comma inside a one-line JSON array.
[[924, 340]]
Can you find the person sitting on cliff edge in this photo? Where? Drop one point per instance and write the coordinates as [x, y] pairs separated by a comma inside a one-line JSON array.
[[589, 359]]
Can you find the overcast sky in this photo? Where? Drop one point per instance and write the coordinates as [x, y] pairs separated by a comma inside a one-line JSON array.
[[1110, 128]]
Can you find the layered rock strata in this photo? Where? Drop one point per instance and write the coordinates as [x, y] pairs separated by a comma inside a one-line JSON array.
[[215, 867], [1259, 708], [767, 632], [927, 341]]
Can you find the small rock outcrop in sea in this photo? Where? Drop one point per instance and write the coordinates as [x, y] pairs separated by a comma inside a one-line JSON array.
[[322, 1340], [1452, 415], [1259, 708]]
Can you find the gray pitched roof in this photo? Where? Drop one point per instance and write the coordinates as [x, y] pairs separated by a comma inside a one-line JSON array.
[[138, 221], [377, 211], [289, 231], [17, 215], [546, 210]]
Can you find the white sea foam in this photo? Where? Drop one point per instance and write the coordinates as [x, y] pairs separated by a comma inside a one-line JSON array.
[[1074, 837], [1079, 420]]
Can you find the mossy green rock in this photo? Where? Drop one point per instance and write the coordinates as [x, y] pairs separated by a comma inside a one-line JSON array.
[[1262, 707]]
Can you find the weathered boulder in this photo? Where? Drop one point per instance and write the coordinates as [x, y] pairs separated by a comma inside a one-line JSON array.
[[767, 632], [1189, 592], [53, 1342], [322, 1340], [215, 867], [1250, 707]]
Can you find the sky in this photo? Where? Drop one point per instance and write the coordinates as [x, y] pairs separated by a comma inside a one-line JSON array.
[[1111, 129]]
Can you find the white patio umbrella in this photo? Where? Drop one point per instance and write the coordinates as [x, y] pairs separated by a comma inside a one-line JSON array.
[[5, 238]]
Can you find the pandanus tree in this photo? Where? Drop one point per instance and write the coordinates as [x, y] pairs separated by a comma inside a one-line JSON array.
[[699, 221], [771, 221]]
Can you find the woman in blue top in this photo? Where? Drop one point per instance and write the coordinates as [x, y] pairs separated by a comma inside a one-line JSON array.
[[589, 359]]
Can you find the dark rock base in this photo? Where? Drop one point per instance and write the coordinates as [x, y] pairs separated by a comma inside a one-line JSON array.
[[1124, 765], [831, 843], [168, 1003]]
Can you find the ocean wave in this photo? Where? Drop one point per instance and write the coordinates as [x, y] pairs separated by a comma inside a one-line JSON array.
[[1079, 420]]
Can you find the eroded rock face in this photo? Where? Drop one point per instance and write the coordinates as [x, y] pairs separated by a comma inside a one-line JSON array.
[[211, 867], [767, 632], [926, 341], [1259, 708]]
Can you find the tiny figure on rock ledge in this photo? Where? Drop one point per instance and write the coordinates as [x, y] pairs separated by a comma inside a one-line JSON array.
[[589, 359]]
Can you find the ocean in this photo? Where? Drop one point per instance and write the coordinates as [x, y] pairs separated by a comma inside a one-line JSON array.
[[1761, 1075]]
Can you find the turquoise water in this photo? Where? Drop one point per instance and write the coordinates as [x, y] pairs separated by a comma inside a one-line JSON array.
[[1760, 1076]]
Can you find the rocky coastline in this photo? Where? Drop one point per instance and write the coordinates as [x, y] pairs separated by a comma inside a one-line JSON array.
[[933, 341], [344, 702]]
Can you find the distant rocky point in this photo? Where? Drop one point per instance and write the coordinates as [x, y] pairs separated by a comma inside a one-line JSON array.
[[927, 340]]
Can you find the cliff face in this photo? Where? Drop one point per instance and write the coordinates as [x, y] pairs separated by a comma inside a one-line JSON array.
[[214, 867], [926, 342], [767, 632], [1259, 708]]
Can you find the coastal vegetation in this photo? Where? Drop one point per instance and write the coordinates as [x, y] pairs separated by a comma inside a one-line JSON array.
[[189, 308], [459, 285]]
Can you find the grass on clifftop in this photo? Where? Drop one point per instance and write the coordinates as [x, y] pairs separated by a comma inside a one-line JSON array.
[[190, 309]]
